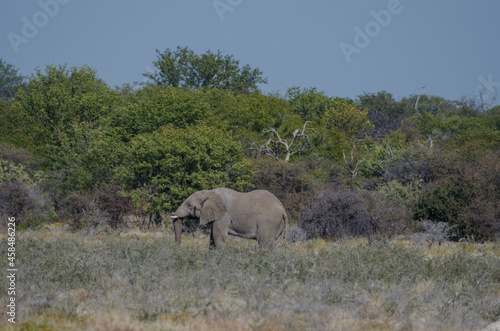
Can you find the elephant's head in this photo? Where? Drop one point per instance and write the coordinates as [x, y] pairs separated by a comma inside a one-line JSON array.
[[208, 206]]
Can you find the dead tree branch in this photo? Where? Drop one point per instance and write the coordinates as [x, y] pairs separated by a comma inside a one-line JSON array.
[[299, 143], [418, 97], [353, 169]]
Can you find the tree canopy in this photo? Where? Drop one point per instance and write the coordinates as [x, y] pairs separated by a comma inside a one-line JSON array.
[[183, 68], [10, 80]]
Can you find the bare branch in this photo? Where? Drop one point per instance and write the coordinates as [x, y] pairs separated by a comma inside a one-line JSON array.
[[431, 142], [352, 169], [298, 144], [418, 98], [391, 153]]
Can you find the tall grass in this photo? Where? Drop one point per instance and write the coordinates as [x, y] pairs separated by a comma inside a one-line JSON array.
[[139, 282]]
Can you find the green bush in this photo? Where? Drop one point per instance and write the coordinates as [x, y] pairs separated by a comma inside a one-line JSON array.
[[466, 198], [86, 157], [163, 168], [152, 107]]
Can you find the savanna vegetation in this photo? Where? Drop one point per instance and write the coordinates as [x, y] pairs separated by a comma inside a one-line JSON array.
[[78, 154], [144, 281]]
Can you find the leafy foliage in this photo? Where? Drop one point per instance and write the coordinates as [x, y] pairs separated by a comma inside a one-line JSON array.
[[155, 106], [384, 113], [60, 96], [53, 101], [21, 129], [172, 163], [348, 118], [11, 171], [340, 128], [183, 68], [310, 104], [10, 80], [79, 211], [86, 157], [464, 198]]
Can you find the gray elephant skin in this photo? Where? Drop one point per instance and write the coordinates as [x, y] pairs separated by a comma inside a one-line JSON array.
[[255, 215]]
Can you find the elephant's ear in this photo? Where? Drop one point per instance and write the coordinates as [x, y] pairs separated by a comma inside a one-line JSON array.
[[213, 208]]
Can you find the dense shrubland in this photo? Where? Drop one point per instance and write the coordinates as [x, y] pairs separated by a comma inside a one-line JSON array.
[[75, 150]]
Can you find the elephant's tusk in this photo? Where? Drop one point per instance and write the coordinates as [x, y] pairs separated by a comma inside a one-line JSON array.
[[174, 217]]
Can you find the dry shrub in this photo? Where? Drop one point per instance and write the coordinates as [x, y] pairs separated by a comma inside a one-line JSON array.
[[26, 202], [114, 204], [296, 234], [102, 207], [483, 216], [80, 211], [337, 214], [295, 184], [409, 168], [14, 197], [431, 232], [390, 217]]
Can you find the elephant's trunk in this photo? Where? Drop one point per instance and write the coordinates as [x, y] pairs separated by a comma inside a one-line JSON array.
[[177, 221]]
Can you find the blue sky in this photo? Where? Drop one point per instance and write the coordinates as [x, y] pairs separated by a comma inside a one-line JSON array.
[[344, 48]]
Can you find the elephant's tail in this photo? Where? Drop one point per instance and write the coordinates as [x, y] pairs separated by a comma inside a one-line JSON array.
[[282, 235]]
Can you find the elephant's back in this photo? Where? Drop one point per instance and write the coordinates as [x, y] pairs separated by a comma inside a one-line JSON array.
[[264, 200]]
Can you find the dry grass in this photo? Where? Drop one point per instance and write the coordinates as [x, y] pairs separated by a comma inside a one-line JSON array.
[[143, 281]]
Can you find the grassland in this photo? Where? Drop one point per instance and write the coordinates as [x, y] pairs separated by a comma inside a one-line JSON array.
[[143, 281]]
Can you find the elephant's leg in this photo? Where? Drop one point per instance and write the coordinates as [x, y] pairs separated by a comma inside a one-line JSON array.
[[219, 233], [269, 231], [212, 241], [178, 229]]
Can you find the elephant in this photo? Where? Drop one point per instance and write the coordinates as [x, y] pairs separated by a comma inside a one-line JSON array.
[[255, 215]]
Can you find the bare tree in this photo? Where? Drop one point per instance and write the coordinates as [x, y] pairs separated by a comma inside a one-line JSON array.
[[431, 137], [351, 165], [276, 146], [418, 97], [432, 232], [482, 100]]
